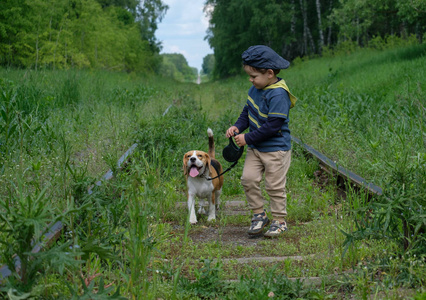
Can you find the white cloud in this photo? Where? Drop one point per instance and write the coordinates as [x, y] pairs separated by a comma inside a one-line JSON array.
[[176, 49]]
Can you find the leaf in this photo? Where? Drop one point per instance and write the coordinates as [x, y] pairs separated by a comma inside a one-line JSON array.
[[4, 116], [104, 252], [12, 296], [11, 130]]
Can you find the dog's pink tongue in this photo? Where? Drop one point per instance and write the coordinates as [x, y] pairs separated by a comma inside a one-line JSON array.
[[193, 172]]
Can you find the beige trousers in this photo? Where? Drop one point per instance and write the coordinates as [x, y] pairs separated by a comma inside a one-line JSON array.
[[274, 165]]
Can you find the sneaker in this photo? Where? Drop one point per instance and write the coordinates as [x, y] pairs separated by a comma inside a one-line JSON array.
[[258, 222], [276, 229]]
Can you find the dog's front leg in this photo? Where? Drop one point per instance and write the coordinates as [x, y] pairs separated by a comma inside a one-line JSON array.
[[191, 209], [212, 209]]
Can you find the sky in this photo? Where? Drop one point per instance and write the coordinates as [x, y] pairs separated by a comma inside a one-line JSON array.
[[183, 29]]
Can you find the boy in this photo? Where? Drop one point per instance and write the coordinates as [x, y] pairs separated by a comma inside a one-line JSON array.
[[266, 114]]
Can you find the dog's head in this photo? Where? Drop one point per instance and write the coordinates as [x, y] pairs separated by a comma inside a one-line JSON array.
[[195, 162]]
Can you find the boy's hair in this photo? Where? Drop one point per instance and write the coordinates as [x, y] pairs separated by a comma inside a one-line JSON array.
[[262, 70]]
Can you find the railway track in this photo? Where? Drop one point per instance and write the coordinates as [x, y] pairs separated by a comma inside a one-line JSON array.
[[343, 176]]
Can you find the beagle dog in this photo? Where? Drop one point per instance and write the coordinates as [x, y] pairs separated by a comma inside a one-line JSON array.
[[199, 168]]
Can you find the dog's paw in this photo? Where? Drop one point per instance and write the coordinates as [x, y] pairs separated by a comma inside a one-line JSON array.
[[202, 211], [193, 221]]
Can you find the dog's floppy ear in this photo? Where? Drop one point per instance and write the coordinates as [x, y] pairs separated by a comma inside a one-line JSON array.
[[209, 161], [185, 161]]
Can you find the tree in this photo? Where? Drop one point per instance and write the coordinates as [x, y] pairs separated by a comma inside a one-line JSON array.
[[14, 24], [149, 13], [295, 28], [112, 34], [321, 34], [208, 65], [362, 20], [257, 23], [176, 66], [130, 5]]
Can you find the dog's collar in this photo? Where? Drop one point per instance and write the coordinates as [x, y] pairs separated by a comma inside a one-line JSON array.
[[204, 173], [204, 176]]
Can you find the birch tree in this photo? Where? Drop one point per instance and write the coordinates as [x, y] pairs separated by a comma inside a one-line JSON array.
[[307, 35], [321, 34]]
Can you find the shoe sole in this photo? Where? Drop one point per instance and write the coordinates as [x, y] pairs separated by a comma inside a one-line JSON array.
[[273, 235], [260, 231]]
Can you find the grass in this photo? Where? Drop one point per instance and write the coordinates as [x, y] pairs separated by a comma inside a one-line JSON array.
[[61, 131], [354, 100]]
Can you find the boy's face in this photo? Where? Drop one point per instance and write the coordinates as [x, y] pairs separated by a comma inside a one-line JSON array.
[[260, 80]]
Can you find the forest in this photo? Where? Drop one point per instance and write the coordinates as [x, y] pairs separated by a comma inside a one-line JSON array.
[[300, 28], [119, 35], [116, 35]]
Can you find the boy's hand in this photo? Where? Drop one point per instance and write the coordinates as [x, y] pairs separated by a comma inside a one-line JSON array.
[[231, 131], [240, 140]]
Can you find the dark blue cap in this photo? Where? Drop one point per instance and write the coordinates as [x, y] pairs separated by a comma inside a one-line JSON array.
[[263, 57]]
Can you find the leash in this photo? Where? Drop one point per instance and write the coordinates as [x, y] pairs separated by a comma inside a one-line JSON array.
[[231, 153], [233, 165]]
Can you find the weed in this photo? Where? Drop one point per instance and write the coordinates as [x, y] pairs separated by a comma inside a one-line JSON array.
[[23, 220], [8, 117], [207, 283], [63, 129], [90, 291], [264, 284]]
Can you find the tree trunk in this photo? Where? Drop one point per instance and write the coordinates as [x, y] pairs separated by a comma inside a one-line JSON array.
[[330, 25], [305, 27], [311, 39], [293, 19], [321, 34], [288, 48], [357, 30], [50, 29], [56, 47], [36, 62], [419, 35]]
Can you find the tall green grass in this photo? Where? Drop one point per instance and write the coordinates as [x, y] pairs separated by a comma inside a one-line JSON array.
[[62, 130]]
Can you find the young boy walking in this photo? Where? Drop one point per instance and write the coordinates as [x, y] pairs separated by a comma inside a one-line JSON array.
[[266, 114]]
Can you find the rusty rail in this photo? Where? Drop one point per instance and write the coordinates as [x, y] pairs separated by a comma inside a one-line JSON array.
[[54, 231], [345, 174]]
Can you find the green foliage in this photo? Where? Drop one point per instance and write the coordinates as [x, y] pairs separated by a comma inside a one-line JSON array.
[[91, 292], [176, 67], [130, 5], [84, 34], [97, 230], [412, 12], [265, 284], [9, 118], [400, 213], [151, 12], [357, 19], [207, 284], [208, 65], [72, 126], [376, 120], [301, 28], [257, 24], [23, 220], [384, 275]]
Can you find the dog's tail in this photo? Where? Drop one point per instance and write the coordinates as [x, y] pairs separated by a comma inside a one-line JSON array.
[[211, 143]]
